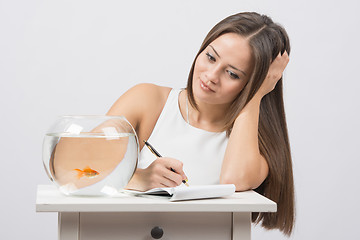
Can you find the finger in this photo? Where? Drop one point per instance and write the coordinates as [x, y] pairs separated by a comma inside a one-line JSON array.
[[276, 60], [163, 185], [282, 57], [281, 61], [162, 170], [285, 56], [177, 167], [169, 181], [174, 176]]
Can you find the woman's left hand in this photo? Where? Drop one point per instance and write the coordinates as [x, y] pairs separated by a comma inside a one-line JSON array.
[[274, 74]]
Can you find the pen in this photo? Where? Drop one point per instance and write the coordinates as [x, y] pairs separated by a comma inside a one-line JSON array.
[[156, 153]]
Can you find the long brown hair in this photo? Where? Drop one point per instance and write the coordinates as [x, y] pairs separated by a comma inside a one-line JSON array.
[[266, 40]]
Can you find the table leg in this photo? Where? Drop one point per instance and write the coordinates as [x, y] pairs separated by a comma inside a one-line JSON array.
[[241, 229], [68, 225]]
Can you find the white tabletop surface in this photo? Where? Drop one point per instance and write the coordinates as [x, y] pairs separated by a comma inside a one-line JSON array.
[[50, 199]]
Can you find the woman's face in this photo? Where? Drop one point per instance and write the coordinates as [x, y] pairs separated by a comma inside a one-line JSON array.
[[222, 69]]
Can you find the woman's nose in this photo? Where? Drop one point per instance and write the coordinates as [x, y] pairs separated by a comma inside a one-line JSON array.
[[213, 75]]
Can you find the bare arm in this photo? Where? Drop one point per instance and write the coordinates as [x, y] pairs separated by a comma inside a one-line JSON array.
[[142, 105], [132, 106], [243, 164]]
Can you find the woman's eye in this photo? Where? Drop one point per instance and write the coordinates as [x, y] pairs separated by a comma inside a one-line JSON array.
[[233, 75], [210, 57]]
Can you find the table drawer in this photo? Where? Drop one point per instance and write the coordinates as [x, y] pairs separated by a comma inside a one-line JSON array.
[[173, 226]]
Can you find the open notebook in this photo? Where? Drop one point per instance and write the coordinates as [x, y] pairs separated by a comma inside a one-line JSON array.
[[182, 192]]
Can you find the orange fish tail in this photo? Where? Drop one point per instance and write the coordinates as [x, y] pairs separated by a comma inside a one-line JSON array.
[[80, 173]]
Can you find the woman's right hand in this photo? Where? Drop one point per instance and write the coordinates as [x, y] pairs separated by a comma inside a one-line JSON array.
[[158, 174]]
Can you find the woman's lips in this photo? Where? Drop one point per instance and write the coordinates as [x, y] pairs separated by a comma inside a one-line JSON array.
[[205, 87]]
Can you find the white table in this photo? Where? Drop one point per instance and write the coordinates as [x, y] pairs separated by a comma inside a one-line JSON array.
[[145, 218]]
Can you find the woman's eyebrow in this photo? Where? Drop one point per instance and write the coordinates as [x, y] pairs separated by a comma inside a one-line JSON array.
[[229, 64], [215, 51], [237, 69]]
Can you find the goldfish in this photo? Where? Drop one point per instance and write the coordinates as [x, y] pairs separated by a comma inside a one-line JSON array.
[[87, 172]]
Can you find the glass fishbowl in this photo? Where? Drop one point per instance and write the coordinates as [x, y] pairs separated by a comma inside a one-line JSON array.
[[90, 155]]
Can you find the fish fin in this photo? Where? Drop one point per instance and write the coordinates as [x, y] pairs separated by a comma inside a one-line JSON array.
[[87, 168], [80, 173]]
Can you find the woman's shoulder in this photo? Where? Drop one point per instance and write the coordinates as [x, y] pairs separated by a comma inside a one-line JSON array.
[[152, 99], [150, 92], [141, 104], [142, 96]]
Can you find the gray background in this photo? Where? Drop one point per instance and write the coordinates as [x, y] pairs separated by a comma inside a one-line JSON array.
[[78, 57]]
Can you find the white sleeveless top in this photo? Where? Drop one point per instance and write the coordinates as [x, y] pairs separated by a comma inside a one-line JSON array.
[[201, 152]]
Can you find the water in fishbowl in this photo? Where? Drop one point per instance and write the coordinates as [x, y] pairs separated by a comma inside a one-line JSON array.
[[90, 163]]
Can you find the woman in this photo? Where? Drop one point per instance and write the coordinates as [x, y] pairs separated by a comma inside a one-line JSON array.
[[228, 125]]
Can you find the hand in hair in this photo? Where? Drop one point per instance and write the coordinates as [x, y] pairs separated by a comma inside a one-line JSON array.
[[274, 74]]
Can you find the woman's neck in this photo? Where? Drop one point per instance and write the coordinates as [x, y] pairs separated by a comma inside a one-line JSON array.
[[209, 117]]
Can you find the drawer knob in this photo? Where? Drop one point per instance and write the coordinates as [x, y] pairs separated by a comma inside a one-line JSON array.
[[157, 232]]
